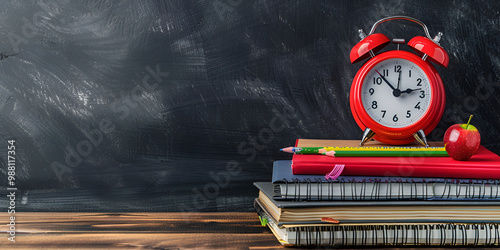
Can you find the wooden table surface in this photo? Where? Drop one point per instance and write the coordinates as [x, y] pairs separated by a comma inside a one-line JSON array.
[[138, 231]]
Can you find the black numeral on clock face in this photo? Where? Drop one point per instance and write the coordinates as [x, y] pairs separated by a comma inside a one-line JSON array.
[[383, 113], [419, 82], [422, 94], [377, 80], [374, 105], [395, 118], [417, 106], [371, 90], [397, 68]]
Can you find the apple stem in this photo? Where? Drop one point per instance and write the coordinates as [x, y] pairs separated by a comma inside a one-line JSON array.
[[467, 126]]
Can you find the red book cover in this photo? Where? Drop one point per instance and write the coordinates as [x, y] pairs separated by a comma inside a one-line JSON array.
[[482, 165]]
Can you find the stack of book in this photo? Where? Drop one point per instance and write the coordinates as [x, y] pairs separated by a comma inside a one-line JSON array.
[[382, 201]]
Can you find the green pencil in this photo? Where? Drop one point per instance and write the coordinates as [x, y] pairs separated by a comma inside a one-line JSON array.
[[370, 151]]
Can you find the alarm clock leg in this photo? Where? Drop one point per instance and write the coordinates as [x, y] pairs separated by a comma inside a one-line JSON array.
[[420, 137], [367, 135]]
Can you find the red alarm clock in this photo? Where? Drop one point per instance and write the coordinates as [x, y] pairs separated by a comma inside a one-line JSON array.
[[397, 96]]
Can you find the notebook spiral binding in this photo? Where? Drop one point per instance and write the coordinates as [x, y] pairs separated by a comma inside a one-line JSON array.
[[352, 189], [399, 235]]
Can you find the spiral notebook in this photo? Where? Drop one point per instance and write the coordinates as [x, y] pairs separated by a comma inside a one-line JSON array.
[[380, 235], [288, 186], [483, 165], [293, 213]]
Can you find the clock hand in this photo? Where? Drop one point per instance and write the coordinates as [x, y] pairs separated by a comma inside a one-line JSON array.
[[407, 91], [385, 80], [399, 79], [395, 91]]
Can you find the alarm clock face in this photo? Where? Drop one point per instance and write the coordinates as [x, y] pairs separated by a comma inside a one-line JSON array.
[[396, 93]]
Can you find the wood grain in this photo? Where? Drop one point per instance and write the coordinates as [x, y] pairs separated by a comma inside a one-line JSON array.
[[139, 231], [56, 230]]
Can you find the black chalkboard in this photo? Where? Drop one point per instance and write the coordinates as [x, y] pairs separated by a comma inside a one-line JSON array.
[[181, 105]]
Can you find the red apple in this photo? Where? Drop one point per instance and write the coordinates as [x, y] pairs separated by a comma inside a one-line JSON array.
[[461, 141]]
